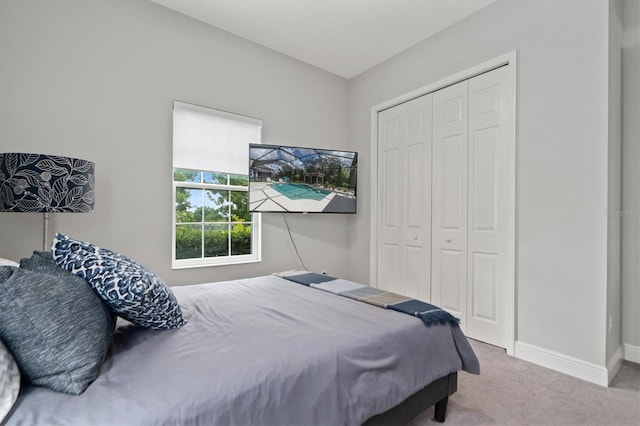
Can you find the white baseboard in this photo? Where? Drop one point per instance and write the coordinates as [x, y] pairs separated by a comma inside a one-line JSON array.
[[563, 363], [631, 353]]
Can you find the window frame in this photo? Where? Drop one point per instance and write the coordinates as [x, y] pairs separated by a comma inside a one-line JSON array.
[[220, 138]]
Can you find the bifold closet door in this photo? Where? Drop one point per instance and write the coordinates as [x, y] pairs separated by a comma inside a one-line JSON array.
[[449, 200], [404, 195], [472, 203], [490, 264]]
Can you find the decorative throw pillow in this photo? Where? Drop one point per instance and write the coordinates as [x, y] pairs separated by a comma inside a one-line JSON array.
[[132, 291], [42, 261], [9, 382], [55, 326]]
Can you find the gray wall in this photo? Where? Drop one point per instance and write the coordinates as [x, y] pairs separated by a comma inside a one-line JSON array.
[[562, 134], [95, 79], [631, 178]]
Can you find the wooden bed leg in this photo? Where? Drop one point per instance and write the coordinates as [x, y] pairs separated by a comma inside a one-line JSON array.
[[440, 411]]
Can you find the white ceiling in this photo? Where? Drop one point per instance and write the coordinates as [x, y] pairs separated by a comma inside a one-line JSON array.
[[344, 37]]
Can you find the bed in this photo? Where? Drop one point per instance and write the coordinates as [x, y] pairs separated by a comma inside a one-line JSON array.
[[264, 351]]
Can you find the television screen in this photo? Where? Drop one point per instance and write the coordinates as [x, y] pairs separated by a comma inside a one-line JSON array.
[[301, 180]]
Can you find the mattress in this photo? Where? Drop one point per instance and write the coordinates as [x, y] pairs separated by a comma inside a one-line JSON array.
[[259, 351]]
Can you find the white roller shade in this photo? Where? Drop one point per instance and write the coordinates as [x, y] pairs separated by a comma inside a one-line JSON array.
[[212, 140]]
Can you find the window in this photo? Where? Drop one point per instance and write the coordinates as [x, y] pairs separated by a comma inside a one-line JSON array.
[[211, 220]]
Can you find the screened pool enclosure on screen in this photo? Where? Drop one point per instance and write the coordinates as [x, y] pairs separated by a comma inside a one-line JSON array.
[[291, 179]]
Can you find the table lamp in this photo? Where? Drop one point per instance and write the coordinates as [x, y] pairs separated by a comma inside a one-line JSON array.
[[39, 183]]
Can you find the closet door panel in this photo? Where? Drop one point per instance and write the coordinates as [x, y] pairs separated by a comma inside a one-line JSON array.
[[415, 187], [484, 279], [389, 269], [490, 198], [390, 256], [453, 189], [417, 183], [404, 191], [483, 181], [449, 200], [391, 191], [415, 240], [416, 283], [453, 286]]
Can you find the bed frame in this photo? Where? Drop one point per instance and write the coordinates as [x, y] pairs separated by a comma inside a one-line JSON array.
[[436, 393]]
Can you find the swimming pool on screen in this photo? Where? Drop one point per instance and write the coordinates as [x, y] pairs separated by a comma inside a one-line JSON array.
[[300, 191]]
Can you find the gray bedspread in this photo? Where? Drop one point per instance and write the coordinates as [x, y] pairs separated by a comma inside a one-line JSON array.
[[260, 351]]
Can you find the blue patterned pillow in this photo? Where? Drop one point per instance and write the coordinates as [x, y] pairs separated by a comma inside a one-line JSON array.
[[132, 291]]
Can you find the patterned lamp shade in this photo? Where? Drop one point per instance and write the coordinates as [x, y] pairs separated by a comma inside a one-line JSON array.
[[46, 183]]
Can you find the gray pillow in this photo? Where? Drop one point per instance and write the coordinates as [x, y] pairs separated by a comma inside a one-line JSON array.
[[43, 262], [56, 327], [9, 382]]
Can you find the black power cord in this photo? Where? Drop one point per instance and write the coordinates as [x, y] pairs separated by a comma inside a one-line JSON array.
[[284, 217]]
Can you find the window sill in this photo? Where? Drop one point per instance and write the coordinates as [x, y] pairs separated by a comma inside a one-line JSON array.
[[206, 263]]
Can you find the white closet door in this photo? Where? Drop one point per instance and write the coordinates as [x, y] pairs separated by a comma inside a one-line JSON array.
[[449, 200], [389, 199], [490, 221], [404, 192], [446, 193]]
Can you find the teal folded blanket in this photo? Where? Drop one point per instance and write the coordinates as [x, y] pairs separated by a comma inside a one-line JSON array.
[[308, 279], [428, 313]]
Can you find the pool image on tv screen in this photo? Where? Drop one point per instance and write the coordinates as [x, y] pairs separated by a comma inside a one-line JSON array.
[[301, 180]]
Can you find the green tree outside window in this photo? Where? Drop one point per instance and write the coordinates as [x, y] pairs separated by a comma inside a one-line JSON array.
[[212, 215]]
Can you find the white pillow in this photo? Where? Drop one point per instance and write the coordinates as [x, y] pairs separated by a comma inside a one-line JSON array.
[[9, 381], [7, 262]]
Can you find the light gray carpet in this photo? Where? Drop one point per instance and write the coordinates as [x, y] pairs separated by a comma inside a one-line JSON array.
[[510, 391]]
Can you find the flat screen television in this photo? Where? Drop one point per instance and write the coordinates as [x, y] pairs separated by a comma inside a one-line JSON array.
[[291, 179]]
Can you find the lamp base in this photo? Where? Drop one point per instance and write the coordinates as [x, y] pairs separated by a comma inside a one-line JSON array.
[[46, 231]]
